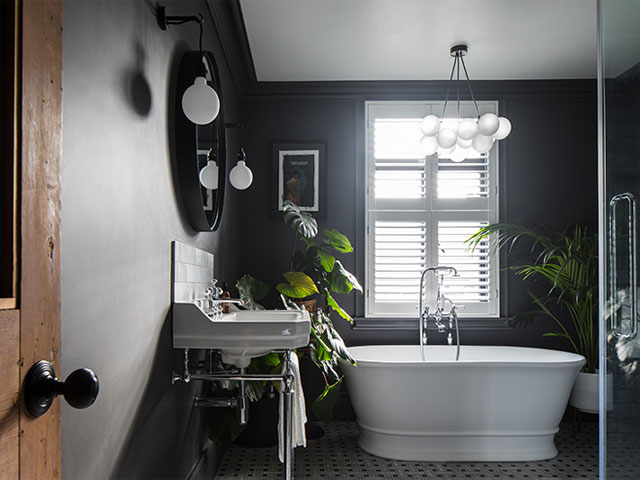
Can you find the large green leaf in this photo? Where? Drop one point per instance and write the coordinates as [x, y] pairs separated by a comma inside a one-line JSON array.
[[331, 337], [300, 285], [326, 260], [337, 308], [301, 222], [342, 281], [322, 348], [298, 261], [312, 262], [251, 291], [324, 404], [338, 241]]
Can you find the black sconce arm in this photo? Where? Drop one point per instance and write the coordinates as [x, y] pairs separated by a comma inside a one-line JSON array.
[[165, 20]]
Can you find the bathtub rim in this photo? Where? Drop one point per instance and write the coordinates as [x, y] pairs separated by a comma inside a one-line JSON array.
[[569, 359]]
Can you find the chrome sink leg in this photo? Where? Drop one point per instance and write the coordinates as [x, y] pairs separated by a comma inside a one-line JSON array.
[[288, 417], [243, 404], [186, 374], [286, 379]]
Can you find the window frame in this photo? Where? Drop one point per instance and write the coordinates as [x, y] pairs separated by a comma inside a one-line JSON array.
[[434, 209]]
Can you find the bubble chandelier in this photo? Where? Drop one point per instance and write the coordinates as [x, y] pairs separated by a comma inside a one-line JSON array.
[[463, 137]]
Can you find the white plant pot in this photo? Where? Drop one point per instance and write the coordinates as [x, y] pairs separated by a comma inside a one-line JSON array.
[[585, 394]]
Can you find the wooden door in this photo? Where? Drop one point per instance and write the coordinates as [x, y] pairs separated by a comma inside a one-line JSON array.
[[31, 36]]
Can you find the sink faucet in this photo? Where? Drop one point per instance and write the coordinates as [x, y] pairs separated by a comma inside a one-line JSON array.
[[213, 301], [444, 320]]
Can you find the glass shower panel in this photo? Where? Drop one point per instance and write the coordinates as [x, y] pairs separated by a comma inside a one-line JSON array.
[[619, 111]]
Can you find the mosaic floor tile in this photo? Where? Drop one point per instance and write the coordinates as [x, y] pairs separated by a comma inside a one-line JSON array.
[[337, 456]]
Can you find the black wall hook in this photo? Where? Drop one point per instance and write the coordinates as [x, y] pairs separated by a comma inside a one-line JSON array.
[[165, 20]]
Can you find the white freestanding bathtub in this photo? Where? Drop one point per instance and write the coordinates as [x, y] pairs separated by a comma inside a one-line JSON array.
[[493, 404]]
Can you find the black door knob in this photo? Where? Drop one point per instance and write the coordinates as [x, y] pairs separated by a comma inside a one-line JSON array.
[[41, 387]]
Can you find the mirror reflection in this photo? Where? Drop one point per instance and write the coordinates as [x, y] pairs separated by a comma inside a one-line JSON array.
[[201, 149]]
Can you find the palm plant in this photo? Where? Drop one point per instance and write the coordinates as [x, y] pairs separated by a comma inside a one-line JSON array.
[[567, 264]]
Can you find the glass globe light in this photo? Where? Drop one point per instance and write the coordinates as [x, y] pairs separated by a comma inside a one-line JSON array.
[[462, 143], [241, 176], [445, 152], [488, 124], [430, 125], [461, 154], [447, 138], [458, 155], [468, 128], [209, 175], [200, 102], [482, 143], [503, 130], [428, 145]]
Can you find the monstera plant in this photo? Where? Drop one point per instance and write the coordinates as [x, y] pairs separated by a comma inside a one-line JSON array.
[[312, 277], [314, 272]]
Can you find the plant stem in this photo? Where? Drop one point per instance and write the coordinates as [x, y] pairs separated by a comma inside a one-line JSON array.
[[293, 250]]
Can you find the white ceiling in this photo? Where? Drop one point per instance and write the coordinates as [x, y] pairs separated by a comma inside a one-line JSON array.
[[325, 40]]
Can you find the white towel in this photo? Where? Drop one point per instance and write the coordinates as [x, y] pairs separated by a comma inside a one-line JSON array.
[[299, 415]]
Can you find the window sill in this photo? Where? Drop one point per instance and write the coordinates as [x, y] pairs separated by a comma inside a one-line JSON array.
[[480, 323]]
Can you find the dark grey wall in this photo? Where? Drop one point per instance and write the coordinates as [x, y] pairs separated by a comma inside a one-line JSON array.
[[120, 213], [622, 95], [547, 175]]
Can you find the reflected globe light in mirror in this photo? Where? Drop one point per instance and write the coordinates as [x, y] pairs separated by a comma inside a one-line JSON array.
[[209, 175]]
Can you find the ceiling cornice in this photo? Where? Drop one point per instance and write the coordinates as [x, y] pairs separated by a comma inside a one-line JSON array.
[[424, 90], [230, 28]]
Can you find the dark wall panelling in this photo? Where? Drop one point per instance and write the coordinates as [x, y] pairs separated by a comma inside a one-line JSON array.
[[547, 168]]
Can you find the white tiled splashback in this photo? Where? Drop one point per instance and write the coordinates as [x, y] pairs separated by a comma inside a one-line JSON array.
[[192, 272]]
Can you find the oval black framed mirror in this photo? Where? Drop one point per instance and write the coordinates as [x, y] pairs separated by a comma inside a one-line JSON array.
[[197, 144]]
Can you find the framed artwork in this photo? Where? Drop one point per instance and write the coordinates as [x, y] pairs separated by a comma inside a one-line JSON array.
[[300, 176]]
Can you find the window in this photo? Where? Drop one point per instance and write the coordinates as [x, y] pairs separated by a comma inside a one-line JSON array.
[[419, 212]]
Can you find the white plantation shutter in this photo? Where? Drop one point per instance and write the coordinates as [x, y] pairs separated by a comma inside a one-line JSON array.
[[472, 287], [419, 213], [399, 179], [399, 254], [467, 179]]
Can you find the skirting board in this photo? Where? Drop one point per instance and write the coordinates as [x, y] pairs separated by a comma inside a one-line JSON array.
[[196, 469]]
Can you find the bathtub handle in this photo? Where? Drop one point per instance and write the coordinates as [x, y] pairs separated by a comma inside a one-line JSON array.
[[616, 320]]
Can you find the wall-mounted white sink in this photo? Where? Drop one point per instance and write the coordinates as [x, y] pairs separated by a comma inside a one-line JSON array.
[[240, 335]]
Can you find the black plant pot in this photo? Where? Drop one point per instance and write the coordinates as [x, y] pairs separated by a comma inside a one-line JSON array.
[[262, 429]]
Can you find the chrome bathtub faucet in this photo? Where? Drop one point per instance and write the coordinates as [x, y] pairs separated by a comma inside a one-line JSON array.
[[444, 320]]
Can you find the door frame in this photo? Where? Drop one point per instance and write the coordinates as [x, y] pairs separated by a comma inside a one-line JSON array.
[[38, 144]]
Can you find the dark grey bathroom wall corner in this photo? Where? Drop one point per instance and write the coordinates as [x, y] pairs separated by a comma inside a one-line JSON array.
[[120, 213], [548, 178], [548, 175]]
